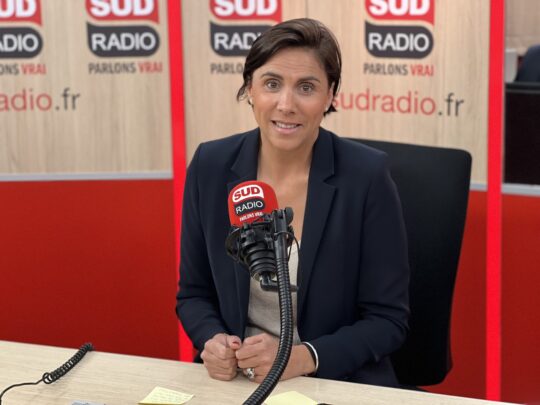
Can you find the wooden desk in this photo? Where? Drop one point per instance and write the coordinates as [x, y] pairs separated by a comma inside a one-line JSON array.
[[116, 379]]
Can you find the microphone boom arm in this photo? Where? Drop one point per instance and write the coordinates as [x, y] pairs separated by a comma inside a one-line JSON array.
[[281, 237]]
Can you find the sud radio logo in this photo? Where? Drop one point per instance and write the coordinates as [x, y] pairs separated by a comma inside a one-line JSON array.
[[19, 42], [399, 41], [248, 199], [122, 40], [234, 39]]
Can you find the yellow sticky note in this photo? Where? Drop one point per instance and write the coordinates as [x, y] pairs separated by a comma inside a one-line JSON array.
[[288, 398], [164, 396]]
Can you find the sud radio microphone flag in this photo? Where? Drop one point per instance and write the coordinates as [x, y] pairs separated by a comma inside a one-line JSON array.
[[249, 201], [260, 236]]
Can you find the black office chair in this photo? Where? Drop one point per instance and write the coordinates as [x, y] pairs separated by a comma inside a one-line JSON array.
[[521, 140], [433, 184]]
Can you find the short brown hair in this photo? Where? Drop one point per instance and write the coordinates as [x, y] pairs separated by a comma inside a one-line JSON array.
[[298, 33]]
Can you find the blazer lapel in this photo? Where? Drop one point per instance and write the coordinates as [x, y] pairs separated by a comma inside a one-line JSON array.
[[319, 202], [244, 169]]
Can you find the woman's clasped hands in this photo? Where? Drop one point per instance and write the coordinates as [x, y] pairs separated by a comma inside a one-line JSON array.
[[224, 355]]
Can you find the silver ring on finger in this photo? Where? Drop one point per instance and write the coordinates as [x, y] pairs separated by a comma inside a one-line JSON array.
[[250, 373]]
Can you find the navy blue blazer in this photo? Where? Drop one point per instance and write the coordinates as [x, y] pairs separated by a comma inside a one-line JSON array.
[[353, 266]]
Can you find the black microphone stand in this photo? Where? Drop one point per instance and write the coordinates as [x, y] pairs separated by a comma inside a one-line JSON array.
[[266, 257]]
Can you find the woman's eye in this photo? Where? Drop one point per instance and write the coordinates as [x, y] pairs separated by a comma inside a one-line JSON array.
[[306, 87], [272, 84]]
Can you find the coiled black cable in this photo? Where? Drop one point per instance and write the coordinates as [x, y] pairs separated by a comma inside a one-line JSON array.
[[49, 378]]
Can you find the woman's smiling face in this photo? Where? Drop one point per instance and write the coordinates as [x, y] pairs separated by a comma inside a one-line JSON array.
[[290, 94]]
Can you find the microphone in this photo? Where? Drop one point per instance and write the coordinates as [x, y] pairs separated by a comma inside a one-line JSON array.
[[253, 212]]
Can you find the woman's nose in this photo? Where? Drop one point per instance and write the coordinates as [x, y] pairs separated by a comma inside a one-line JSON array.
[[286, 101]]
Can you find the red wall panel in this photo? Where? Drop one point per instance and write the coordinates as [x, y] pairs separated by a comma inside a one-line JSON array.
[[521, 299], [89, 261]]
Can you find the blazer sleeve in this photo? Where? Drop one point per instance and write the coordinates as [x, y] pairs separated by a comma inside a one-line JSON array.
[[196, 301], [382, 290]]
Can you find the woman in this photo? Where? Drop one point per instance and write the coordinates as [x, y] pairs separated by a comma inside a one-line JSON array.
[[351, 270]]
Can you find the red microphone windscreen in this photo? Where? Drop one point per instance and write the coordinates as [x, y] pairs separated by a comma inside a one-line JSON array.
[[249, 201]]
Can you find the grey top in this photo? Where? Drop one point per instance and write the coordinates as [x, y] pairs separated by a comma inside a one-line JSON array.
[[263, 309]]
